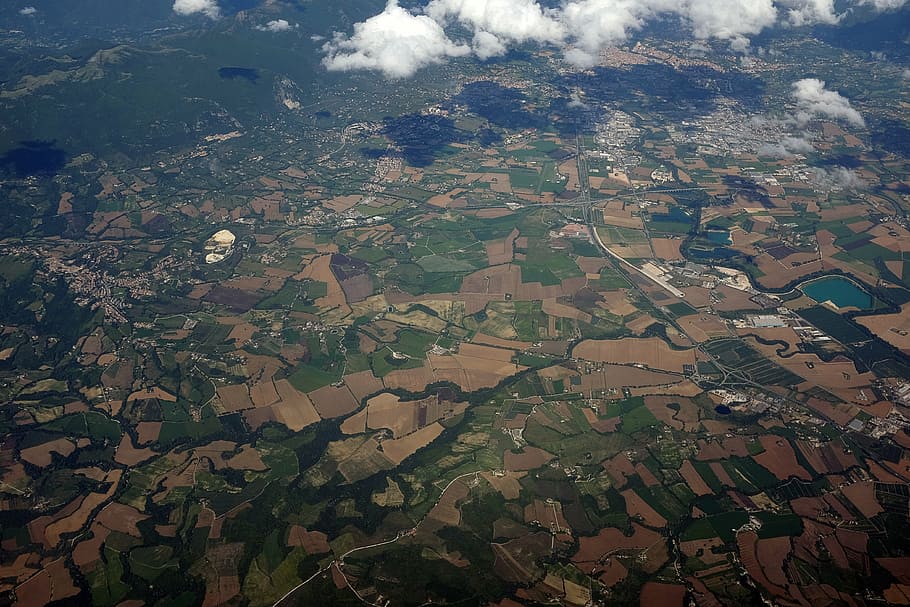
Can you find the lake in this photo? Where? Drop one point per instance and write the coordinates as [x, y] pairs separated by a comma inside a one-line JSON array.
[[842, 292]]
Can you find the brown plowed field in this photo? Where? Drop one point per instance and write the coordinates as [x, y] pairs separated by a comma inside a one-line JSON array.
[[320, 270], [665, 595], [619, 468], [716, 449], [122, 518], [363, 384], [53, 583], [507, 485], [40, 455], [388, 411], [667, 248], [314, 542], [721, 474], [636, 506], [397, 450], [333, 402], [234, 398], [652, 352], [263, 394], [294, 409], [355, 424], [501, 251], [147, 432], [610, 540], [780, 459], [862, 495], [530, 459], [686, 418], [413, 380], [619, 376], [88, 552], [694, 480], [74, 522]]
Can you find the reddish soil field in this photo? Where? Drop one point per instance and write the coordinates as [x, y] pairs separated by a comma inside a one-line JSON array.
[[772, 554], [780, 459], [40, 455], [647, 477], [122, 518], [899, 567], [257, 417], [547, 515], [862, 495], [747, 543], [613, 573], [665, 595], [619, 468], [636, 506], [74, 522], [610, 540], [722, 449], [685, 418], [88, 552], [314, 542], [19, 570], [530, 459], [52, 583], [721, 474], [446, 511], [501, 251], [695, 482]]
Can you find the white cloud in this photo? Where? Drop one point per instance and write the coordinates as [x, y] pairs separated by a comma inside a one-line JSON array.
[[808, 12], [395, 42], [884, 5], [28, 10], [787, 147], [278, 25], [582, 28], [838, 178], [906, 74], [209, 8], [498, 22], [815, 100], [729, 19], [575, 101], [596, 24]]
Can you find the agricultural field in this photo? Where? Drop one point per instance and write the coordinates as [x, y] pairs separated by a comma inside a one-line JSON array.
[[504, 333]]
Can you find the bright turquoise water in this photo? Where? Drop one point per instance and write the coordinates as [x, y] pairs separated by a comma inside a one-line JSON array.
[[842, 292]]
